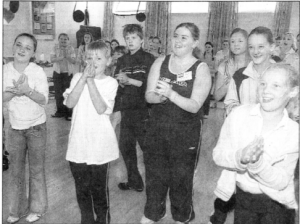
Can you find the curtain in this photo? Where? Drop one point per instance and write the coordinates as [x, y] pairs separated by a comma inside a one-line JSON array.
[[223, 17], [158, 23], [108, 23], [282, 18]]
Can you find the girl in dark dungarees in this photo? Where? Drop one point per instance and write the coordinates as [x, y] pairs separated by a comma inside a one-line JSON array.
[[178, 84]]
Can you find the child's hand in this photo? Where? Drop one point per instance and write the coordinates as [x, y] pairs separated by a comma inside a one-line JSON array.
[[122, 77], [253, 151], [89, 71], [164, 89], [24, 88], [19, 81]]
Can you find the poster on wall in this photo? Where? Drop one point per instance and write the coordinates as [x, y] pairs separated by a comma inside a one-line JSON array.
[[43, 20]]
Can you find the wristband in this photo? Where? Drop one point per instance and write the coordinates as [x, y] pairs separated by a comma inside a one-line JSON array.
[[30, 92]]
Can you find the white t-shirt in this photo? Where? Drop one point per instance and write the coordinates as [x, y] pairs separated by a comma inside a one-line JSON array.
[[23, 111], [92, 139]]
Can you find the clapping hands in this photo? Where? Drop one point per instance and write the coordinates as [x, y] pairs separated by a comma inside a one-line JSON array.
[[89, 71], [252, 152], [20, 87]]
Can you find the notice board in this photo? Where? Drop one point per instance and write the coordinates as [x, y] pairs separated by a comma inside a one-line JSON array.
[[43, 21]]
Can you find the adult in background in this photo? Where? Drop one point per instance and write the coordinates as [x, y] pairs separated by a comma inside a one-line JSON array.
[[81, 55], [63, 58], [177, 87]]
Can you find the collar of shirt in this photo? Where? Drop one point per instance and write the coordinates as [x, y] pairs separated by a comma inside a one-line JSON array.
[[251, 71], [255, 111]]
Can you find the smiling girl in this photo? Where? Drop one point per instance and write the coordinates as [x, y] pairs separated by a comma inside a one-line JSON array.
[[26, 94], [81, 55], [242, 88], [177, 87], [288, 49]]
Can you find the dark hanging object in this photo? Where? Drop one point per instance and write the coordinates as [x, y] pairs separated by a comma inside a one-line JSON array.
[[78, 15], [13, 6], [140, 16], [87, 16]]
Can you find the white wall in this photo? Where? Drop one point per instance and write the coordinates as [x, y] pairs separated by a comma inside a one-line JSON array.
[[63, 21]]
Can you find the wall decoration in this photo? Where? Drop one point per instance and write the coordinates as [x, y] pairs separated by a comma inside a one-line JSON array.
[[43, 20]]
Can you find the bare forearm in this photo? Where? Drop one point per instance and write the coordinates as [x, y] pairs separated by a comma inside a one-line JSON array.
[[36, 97], [96, 97], [153, 97], [184, 103], [7, 96], [75, 94]]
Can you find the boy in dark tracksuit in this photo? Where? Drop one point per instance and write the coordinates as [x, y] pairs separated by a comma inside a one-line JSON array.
[[132, 71]]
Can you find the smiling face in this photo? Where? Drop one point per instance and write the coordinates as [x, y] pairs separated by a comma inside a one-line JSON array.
[[23, 49], [238, 43], [99, 59], [260, 49], [87, 38], [63, 40], [274, 90], [183, 42], [133, 42], [287, 42]]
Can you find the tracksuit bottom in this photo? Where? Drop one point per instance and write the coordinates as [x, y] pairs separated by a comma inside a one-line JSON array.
[[170, 158], [132, 130], [260, 209], [91, 183]]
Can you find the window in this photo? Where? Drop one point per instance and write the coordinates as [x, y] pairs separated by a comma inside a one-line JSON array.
[[128, 8], [258, 7], [189, 7]]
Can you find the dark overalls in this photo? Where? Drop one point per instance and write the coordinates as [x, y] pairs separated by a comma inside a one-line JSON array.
[[172, 151]]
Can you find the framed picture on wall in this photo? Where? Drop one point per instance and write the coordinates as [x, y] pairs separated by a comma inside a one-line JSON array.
[[43, 19]]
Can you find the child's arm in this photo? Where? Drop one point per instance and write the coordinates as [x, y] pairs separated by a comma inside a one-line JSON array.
[[96, 97], [151, 95], [73, 97]]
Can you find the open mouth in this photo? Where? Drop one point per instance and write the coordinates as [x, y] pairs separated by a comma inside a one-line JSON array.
[[267, 99]]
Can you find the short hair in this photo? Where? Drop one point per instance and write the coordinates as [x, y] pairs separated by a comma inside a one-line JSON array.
[[63, 34], [133, 28], [263, 31], [99, 45], [30, 36], [293, 76], [192, 28], [121, 49]]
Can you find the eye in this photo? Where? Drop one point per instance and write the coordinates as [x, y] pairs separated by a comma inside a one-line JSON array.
[[262, 84]]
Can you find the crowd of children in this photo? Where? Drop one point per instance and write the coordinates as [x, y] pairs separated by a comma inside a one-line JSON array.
[[160, 102]]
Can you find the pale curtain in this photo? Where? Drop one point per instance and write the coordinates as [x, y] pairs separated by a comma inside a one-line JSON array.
[[223, 17], [158, 23], [282, 18], [108, 23]]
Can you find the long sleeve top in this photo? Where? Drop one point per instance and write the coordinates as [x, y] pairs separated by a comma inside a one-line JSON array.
[[273, 174]]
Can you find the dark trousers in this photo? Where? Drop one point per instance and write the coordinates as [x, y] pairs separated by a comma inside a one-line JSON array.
[[221, 209], [91, 183], [260, 209], [170, 162], [132, 130], [61, 83]]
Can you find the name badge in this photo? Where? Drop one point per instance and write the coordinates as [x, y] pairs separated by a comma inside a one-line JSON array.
[[184, 76]]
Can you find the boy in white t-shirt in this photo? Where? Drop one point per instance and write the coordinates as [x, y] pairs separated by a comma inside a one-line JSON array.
[[92, 140]]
